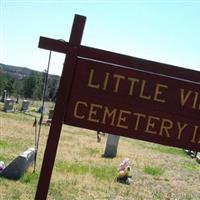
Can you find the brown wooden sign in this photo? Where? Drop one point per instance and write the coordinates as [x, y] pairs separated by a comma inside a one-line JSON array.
[[135, 104], [122, 95]]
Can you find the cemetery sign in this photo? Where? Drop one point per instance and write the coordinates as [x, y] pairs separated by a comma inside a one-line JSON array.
[[121, 95], [135, 104]]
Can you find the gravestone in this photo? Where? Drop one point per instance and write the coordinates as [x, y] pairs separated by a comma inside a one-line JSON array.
[[8, 105], [191, 153], [198, 157], [25, 105], [111, 146], [19, 165]]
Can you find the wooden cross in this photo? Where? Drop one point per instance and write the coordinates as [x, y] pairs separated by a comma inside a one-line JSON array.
[[65, 83]]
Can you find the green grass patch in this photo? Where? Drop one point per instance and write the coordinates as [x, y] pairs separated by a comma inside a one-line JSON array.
[[14, 146], [191, 166], [56, 190], [2, 158], [8, 144], [11, 149], [155, 171], [170, 150], [100, 172], [30, 178], [5, 144], [92, 151], [163, 149], [18, 116], [16, 195]]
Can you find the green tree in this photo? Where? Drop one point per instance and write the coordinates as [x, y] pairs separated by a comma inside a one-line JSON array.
[[9, 85], [37, 93], [6, 83], [2, 82], [18, 85], [29, 85], [52, 88]]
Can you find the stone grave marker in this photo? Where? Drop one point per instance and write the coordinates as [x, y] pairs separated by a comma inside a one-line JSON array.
[[198, 157], [19, 165], [111, 146], [25, 105], [8, 105]]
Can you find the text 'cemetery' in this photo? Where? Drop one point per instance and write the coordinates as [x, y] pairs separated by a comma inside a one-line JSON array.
[[134, 103]]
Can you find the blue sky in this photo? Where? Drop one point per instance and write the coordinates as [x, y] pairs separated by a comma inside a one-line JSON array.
[[164, 31]]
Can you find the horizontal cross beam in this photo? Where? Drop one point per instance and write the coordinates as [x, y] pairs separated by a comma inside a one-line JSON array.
[[109, 57], [54, 45]]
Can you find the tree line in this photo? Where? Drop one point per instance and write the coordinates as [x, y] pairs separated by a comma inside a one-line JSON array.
[[30, 86]]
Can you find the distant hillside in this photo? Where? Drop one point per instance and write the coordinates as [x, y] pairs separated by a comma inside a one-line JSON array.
[[27, 83], [20, 72]]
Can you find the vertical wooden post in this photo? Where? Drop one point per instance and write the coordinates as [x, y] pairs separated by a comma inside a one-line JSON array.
[[60, 107]]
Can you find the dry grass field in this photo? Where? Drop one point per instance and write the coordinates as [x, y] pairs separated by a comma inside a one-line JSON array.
[[81, 173]]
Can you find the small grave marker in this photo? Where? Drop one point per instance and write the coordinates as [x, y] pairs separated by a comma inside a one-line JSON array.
[[25, 105], [198, 157], [8, 105], [111, 146]]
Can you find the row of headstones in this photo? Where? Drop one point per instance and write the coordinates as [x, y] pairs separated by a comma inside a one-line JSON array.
[[194, 154], [9, 105]]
